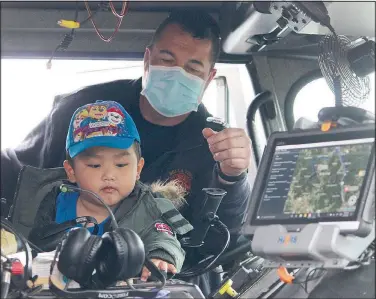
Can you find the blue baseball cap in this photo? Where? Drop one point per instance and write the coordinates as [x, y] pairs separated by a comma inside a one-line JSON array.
[[103, 123]]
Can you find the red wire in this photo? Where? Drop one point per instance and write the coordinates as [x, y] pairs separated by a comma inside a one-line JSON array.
[[119, 17], [123, 9]]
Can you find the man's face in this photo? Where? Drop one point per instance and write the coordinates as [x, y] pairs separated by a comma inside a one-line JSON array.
[[175, 47], [109, 172]]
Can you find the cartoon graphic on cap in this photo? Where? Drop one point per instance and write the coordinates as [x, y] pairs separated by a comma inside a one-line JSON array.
[[93, 124], [97, 132], [115, 116], [111, 131], [98, 112], [79, 118], [78, 135], [98, 120]]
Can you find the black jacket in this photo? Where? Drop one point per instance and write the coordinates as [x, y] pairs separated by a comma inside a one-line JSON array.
[[44, 147]]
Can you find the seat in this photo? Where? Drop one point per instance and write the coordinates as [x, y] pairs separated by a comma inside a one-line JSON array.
[[32, 186]]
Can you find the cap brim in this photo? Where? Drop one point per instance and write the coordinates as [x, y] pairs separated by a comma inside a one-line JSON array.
[[106, 141]]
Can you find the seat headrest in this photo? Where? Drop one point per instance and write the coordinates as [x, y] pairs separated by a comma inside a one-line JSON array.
[[32, 186]]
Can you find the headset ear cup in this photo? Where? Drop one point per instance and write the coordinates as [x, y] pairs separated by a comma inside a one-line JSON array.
[[122, 256], [108, 260], [136, 251], [78, 255], [71, 248]]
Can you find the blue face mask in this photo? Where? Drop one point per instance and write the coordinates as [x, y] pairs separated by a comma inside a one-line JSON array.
[[171, 91]]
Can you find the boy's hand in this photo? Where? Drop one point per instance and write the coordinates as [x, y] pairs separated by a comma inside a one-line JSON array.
[[161, 265]]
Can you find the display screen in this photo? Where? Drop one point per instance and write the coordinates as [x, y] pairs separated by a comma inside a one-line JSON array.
[[320, 181]]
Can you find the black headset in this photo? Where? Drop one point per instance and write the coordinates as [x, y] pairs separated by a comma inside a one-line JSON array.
[[117, 255], [49, 237]]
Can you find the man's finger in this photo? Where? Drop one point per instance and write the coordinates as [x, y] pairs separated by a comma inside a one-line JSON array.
[[207, 132], [225, 134], [232, 153], [236, 142]]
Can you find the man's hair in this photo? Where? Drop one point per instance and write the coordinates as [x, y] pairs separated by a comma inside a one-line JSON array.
[[135, 145], [199, 24]]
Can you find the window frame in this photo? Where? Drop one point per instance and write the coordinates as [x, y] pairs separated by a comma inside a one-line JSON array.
[[293, 92], [221, 83], [261, 113]]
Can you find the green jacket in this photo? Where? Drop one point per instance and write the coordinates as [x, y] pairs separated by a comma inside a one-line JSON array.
[[153, 218]]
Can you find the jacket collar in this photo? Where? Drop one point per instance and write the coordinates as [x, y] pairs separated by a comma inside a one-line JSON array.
[[128, 203]]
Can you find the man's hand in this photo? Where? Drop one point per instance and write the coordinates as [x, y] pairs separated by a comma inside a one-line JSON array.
[[161, 265], [231, 148]]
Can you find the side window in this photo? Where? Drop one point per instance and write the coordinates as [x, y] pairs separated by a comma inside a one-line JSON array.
[[28, 89], [215, 98], [316, 94]]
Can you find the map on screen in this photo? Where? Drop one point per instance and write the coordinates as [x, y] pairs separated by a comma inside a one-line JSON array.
[[327, 179]]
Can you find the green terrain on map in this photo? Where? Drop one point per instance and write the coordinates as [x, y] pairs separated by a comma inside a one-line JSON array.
[[327, 179]]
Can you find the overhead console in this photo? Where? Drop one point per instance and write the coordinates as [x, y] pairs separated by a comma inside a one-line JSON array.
[[251, 26]]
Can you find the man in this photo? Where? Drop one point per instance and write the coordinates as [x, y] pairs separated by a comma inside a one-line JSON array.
[[165, 105]]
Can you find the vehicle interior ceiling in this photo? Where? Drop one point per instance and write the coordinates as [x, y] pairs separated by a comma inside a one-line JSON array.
[[251, 35]]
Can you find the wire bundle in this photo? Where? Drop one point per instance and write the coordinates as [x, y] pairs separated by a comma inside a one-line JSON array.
[[75, 24], [119, 17]]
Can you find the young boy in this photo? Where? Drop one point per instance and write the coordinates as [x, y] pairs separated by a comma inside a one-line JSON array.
[[104, 156]]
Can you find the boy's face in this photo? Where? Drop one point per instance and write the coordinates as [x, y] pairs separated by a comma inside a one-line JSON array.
[[109, 172]]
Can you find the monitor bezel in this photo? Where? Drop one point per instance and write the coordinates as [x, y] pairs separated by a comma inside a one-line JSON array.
[[346, 224]]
